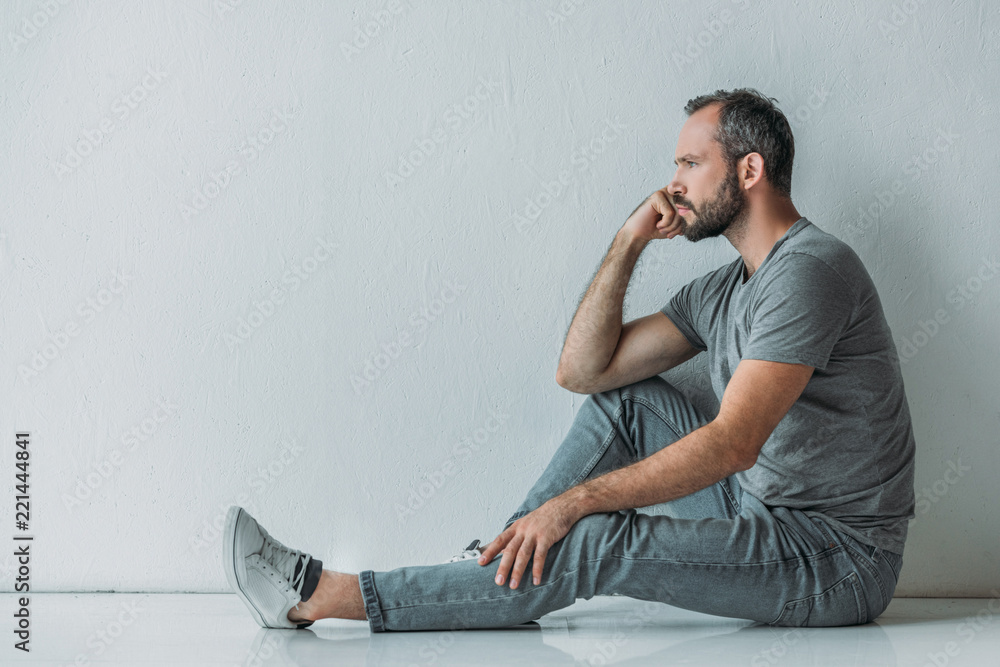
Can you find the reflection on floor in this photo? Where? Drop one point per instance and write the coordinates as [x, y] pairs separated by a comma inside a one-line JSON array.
[[160, 629]]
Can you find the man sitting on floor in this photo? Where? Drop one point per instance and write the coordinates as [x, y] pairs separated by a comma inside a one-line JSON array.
[[789, 507]]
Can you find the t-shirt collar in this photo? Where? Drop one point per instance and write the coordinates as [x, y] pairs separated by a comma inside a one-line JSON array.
[[790, 232]]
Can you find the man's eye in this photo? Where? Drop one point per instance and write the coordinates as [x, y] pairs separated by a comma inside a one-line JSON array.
[[689, 162]]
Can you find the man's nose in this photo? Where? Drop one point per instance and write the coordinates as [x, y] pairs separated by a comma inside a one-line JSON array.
[[674, 190]]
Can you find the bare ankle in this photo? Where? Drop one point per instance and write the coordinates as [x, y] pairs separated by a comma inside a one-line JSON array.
[[309, 610], [302, 612], [338, 595]]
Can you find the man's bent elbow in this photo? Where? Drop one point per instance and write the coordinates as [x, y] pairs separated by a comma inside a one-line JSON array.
[[745, 457], [745, 461], [739, 455], [567, 381]]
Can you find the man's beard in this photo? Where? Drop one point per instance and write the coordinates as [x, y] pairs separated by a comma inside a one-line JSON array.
[[728, 207]]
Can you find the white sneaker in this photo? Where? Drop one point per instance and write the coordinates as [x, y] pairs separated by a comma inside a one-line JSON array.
[[472, 552], [260, 570]]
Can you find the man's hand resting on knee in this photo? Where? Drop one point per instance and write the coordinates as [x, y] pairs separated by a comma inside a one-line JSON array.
[[532, 533]]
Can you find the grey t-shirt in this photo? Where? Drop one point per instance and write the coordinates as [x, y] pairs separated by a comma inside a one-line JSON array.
[[844, 451]]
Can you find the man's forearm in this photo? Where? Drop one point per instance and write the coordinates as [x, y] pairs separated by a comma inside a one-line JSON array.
[[593, 335], [698, 460]]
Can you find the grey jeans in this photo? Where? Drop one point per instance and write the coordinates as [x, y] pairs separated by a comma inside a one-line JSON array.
[[720, 551]]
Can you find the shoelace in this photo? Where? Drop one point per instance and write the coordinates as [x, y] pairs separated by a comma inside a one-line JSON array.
[[283, 560], [471, 551]]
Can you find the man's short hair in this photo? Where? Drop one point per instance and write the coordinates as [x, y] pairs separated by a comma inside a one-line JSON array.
[[749, 122]]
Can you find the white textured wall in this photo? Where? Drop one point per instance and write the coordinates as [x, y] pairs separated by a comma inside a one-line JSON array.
[[214, 219]]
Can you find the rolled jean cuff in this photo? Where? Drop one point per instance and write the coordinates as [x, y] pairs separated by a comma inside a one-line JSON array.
[[372, 610]]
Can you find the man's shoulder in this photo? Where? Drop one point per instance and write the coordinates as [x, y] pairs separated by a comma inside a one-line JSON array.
[[813, 249], [705, 294]]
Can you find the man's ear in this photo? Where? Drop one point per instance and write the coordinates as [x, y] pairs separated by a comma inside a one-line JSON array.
[[750, 170]]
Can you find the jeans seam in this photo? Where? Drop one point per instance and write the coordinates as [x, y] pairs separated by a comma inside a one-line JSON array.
[[895, 563], [726, 490], [677, 431], [826, 529], [861, 610], [614, 430], [781, 561], [601, 451], [863, 560], [872, 568], [590, 465], [666, 420], [514, 595]]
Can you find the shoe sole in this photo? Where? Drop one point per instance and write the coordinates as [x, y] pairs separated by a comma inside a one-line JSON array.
[[229, 559]]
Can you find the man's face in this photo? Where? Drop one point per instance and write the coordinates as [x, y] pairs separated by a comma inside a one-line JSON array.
[[705, 190]]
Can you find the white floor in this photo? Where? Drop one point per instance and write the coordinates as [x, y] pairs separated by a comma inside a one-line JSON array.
[[159, 629]]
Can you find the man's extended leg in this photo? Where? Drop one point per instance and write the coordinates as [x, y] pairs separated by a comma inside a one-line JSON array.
[[611, 430], [772, 565]]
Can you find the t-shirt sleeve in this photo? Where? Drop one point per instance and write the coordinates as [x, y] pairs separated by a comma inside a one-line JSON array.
[[799, 313], [684, 309]]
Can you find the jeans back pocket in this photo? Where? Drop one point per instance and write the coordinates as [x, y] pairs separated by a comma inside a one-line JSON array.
[[840, 604]]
